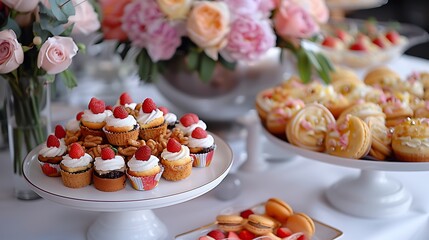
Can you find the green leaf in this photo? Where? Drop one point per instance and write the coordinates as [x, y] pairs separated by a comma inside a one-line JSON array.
[[25, 48], [228, 65], [207, 66], [145, 65], [193, 59], [12, 24], [69, 79], [43, 34], [304, 66], [62, 9], [326, 68], [81, 47]]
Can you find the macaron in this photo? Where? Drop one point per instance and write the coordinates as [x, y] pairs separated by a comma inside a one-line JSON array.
[[301, 222], [259, 224], [278, 209], [229, 223]]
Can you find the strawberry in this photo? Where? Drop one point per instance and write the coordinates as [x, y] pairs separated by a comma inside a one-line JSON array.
[[379, 42], [199, 133], [233, 236], [186, 121], [173, 145], [48, 170], [143, 153], [148, 105], [52, 141], [205, 238], [164, 110], [60, 132], [246, 213], [216, 234], [107, 153], [283, 232], [96, 106], [109, 107], [246, 235], [125, 99], [341, 34], [79, 115], [193, 116], [358, 46], [76, 151], [120, 112], [330, 42], [302, 237], [393, 36]]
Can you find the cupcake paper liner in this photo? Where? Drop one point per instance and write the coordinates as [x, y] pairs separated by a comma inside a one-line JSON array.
[[154, 132], [202, 160], [145, 183], [50, 169], [77, 180], [85, 131], [121, 138]]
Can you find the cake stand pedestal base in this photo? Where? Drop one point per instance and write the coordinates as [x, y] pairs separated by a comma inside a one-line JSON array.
[[370, 195], [142, 224]]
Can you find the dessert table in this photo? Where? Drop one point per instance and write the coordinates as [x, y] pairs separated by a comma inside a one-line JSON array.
[[299, 181]]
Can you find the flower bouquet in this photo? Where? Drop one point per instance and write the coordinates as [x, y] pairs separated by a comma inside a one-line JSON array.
[[36, 45], [209, 33]]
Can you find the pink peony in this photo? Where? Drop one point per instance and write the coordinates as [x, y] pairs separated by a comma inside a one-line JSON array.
[[85, 19], [164, 40], [249, 39], [242, 7], [317, 9], [291, 20]]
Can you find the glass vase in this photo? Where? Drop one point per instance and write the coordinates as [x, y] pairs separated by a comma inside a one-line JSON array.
[[28, 119], [3, 118]]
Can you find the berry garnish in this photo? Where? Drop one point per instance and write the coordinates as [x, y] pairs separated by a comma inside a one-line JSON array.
[[48, 170], [164, 110], [233, 236], [358, 46], [330, 42], [283, 232], [148, 105], [125, 99], [246, 213], [246, 235], [109, 107], [186, 121], [199, 133], [193, 116], [76, 151], [52, 141], [173, 145], [96, 106], [393, 36], [143, 153], [107, 153], [59, 131], [79, 115], [216, 234], [120, 112]]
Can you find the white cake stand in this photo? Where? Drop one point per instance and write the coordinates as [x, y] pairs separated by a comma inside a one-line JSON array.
[[128, 212], [372, 194]]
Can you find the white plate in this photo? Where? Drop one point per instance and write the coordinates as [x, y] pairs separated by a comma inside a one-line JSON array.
[[354, 4], [323, 231], [166, 193]]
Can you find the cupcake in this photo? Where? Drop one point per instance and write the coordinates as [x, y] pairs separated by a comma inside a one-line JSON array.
[[76, 167], [73, 129], [121, 127], [51, 155], [201, 146], [144, 170], [94, 118], [176, 160], [126, 101], [151, 120], [109, 171], [410, 140], [188, 122], [169, 117]]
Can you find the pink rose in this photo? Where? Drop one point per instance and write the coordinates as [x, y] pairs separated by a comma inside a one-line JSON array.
[[243, 7], [317, 9], [249, 39], [11, 53], [22, 5], [85, 19], [164, 40], [56, 54], [291, 20]]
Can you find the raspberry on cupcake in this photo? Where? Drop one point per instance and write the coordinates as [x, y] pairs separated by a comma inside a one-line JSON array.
[[127, 101], [151, 120], [109, 171], [201, 146], [51, 155], [176, 160], [121, 127], [188, 122], [94, 118], [144, 170], [76, 167]]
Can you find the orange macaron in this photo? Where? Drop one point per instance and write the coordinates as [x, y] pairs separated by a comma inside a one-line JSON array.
[[278, 209], [259, 225], [229, 223], [301, 222]]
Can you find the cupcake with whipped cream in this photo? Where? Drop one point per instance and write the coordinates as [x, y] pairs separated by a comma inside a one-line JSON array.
[[176, 160], [126, 101], [109, 171], [51, 155], [201, 146], [169, 117], [188, 122], [72, 126], [76, 167], [121, 127], [144, 169], [151, 120], [94, 118]]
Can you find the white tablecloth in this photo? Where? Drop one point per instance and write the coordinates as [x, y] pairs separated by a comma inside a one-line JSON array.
[[300, 182]]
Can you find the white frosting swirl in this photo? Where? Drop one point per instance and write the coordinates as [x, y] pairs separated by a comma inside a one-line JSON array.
[[127, 105], [118, 122], [74, 163], [145, 118], [139, 165], [92, 117], [73, 125], [170, 156], [188, 130], [53, 151], [203, 142], [115, 163], [170, 118], [414, 142]]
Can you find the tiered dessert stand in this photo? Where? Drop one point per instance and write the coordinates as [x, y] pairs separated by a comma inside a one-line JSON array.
[[372, 194], [338, 8], [127, 214]]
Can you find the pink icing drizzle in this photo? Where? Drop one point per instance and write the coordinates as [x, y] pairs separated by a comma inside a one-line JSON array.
[[306, 125]]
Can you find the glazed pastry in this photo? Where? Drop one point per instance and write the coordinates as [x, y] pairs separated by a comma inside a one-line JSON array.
[[151, 120], [109, 171], [396, 111], [410, 140], [300, 222], [422, 111], [278, 209], [176, 160], [144, 169], [381, 139], [412, 85], [259, 225], [363, 111], [349, 138], [344, 75], [188, 122], [278, 117], [264, 103], [201, 146], [383, 78], [121, 127], [229, 223], [51, 155], [94, 118], [76, 167], [307, 128]]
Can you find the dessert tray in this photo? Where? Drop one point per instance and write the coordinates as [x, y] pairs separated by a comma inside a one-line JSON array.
[[372, 194], [323, 231], [128, 212], [354, 4]]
